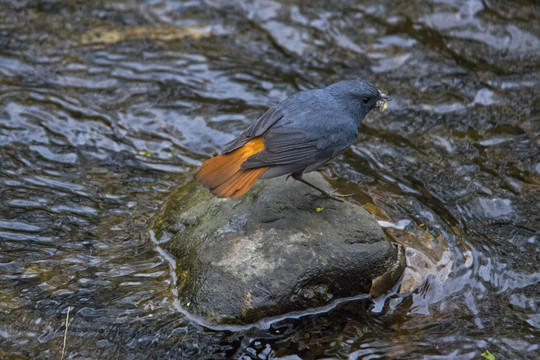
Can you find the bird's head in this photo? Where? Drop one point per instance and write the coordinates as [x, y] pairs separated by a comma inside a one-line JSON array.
[[358, 97]]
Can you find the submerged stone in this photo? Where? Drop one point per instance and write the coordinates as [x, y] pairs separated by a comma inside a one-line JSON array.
[[282, 247]]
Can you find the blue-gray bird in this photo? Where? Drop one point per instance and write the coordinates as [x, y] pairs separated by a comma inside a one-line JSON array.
[[302, 133]]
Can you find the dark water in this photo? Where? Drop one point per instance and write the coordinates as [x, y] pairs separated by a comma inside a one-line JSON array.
[[107, 107]]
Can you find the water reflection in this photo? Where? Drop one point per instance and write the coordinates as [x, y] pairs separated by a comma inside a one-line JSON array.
[[105, 109]]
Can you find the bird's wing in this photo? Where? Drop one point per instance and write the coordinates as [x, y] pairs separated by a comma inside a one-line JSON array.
[[258, 128], [305, 143]]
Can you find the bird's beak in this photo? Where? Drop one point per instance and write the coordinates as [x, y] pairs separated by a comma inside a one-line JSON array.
[[381, 104]]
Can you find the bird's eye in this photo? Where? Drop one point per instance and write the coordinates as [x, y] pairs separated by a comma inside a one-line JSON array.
[[365, 100]]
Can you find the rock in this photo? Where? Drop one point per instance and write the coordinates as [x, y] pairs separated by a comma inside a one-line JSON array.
[[282, 247]]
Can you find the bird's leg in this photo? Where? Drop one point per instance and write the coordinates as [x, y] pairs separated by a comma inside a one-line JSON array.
[[299, 177]]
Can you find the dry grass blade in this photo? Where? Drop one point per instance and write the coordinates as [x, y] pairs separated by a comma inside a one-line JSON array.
[[65, 333]]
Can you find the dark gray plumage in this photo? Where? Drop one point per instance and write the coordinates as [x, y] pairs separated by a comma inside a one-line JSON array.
[[310, 128]]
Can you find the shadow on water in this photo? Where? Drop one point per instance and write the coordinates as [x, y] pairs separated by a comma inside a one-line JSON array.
[[107, 107]]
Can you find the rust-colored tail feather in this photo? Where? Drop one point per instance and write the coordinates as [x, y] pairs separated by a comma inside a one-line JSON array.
[[224, 177]]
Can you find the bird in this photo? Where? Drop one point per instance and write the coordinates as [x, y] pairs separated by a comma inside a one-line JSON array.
[[298, 135]]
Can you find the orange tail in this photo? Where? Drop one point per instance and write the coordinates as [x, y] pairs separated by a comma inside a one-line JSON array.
[[224, 177]]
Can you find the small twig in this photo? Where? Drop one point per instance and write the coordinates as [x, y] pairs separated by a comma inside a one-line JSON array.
[[65, 333]]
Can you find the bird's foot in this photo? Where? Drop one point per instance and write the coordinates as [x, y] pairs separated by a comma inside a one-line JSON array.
[[334, 195]]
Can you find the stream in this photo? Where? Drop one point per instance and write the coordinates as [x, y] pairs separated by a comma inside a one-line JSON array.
[[108, 107]]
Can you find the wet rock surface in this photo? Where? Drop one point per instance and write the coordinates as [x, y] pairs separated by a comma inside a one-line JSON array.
[[280, 248]]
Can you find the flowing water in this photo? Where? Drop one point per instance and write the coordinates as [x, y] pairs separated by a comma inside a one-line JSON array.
[[107, 107]]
